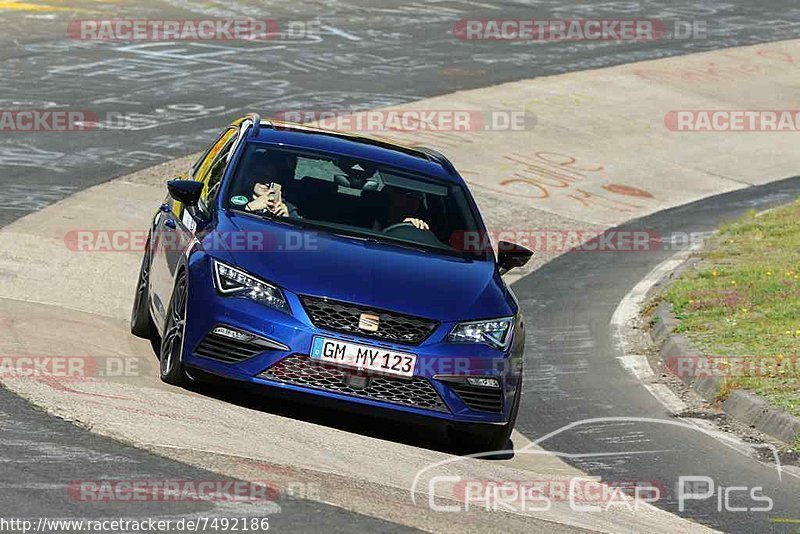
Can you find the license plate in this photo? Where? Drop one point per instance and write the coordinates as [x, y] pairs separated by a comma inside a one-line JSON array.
[[363, 357]]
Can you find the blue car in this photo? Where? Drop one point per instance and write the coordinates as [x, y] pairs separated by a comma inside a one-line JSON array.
[[339, 268]]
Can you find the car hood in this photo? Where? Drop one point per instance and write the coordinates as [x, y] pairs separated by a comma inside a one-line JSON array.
[[308, 262]]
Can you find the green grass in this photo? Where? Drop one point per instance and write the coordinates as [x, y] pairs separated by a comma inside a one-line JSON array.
[[743, 301]]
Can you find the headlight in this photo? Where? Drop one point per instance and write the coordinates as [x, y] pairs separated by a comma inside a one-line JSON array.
[[495, 333], [235, 283]]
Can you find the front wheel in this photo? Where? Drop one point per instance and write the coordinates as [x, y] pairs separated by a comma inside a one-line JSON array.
[[170, 355]]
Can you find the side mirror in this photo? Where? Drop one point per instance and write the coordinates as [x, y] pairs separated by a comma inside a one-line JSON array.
[[187, 192], [512, 255]]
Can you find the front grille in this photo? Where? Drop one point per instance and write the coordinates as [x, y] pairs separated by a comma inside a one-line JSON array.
[[225, 349], [343, 317], [480, 398], [302, 370]]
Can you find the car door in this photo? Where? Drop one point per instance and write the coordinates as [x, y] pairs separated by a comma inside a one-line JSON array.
[[175, 226]]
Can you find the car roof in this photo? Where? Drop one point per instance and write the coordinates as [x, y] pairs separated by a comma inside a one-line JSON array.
[[419, 160]]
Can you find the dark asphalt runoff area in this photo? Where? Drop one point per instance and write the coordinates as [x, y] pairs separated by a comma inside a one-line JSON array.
[[177, 95], [572, 377], [373, 53], [50, 468]]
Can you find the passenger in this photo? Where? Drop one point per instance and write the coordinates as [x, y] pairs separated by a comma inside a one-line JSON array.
[[268, 197]]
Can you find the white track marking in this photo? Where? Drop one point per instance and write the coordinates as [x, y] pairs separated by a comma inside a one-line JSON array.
[[628, 311], [665, 396], [637, 365], [341, 33]]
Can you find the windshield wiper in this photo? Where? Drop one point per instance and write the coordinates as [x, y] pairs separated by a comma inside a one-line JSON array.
[[392, 243], [274, 218]]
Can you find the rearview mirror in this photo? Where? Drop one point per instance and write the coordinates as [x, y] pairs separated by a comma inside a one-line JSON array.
[[186, 192], [511, 255]]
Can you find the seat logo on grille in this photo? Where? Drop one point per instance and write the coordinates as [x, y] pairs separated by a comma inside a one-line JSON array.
[[368, 322]]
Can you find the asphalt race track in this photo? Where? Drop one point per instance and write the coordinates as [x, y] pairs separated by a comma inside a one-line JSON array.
[[379, 54], [572, 376], [178, 94], [66, 454]]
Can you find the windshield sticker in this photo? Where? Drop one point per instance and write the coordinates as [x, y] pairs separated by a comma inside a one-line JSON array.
[[239, 200]]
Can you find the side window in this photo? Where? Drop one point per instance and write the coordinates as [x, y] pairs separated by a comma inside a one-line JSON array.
[[208, 155], [213, 182], [212, 167]]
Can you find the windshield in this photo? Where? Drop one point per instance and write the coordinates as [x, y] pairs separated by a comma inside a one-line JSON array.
[[351, 196]]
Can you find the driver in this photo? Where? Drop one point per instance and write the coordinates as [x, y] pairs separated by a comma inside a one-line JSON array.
[[405, 207]]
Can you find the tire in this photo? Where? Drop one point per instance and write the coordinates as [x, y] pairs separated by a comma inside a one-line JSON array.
[[170, 354], [141, 321], [483, 438]]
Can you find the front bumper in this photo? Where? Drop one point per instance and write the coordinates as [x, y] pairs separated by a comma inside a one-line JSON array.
[[437, 389]]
